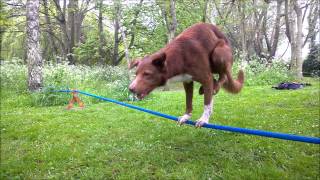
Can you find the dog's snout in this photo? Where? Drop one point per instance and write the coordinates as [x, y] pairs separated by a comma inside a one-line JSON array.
[[131, 89]]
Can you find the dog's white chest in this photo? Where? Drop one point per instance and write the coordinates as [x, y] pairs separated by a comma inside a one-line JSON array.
[[180, 78]]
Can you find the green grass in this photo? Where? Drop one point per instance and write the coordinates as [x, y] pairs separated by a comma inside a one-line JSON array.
[[106, 141]]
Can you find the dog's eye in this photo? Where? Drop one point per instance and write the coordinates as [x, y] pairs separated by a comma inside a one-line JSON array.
[[146, 74]]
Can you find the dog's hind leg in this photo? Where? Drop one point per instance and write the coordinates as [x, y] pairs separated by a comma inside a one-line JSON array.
[[217, 84], [188, 87], [208, 90], [201, 87]]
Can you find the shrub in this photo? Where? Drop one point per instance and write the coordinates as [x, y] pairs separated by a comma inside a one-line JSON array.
[[47, 97], [111, 81], [311, 66], [108, 81], [259, 72], [13, 75]]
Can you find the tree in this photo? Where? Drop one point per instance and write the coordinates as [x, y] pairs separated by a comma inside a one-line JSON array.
[[33, 46], [123, 29], [205, 11], [49, 30], [116, 26], [4, 23], [173, 24], [102, 40], [73, 32], [271, 39], [313, 23], [311, 66], [70, 18], [170, 20], [242, 29], [293, 17]]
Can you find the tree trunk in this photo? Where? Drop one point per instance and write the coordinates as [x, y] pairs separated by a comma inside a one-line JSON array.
[[132, 28], [35, 63], [163, 9], [276, 31], [71, 29], [61, 17], [173, 23], [224, 12], [116, 33], [299, 59], [242, 30], [102, 41], [313, 31], [293, 44], [293, 17], [134, 24], [205, 9], [50, 29], [78, 18], [259, 27], [170, 22], [123, 35], [126, 49]]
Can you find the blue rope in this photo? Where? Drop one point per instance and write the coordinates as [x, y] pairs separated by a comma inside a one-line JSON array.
[[291, 137]]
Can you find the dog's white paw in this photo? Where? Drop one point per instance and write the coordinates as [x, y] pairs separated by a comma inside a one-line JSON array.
[[202, 121], [184, 118], [205, 115], [214, 92]]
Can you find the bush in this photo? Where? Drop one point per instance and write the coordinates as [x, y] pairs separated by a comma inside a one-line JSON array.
[[311, 66], [13, 75], [47, 97], [259, 72], [108, 81]]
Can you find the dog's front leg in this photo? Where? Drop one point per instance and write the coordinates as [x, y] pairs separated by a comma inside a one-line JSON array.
[[188, 87], [208, 89]]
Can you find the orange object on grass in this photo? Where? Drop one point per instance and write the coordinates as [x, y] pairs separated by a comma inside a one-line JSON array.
[[75, 99]]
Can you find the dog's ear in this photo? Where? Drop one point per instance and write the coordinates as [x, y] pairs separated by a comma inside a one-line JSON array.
[[134, 63], [217, 47], [220, 43], [159, 60]]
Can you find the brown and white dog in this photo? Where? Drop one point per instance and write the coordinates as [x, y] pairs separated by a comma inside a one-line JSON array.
[[195, 55]]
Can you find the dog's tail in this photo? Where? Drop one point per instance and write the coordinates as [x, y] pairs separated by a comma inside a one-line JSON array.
[[234, 86]]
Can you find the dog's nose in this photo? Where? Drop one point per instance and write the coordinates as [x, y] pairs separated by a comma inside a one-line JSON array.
[[132, 87], [131, 90]]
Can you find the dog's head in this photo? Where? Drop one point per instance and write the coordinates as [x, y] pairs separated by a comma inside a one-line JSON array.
[[150, 73]]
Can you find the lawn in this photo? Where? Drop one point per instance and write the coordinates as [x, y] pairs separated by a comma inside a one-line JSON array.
[[107, 141]]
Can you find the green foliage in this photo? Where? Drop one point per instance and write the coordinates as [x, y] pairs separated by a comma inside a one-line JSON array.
[[87, 52], [108, 81], [13, 44], [112, 81], [4, 21], [47, 97], [188, 13], [106, 141], [311, 66], [149, 32], [258, 72], [13, 75], [11, 32]]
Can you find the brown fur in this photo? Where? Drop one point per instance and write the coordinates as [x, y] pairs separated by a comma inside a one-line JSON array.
[[200, 51]]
